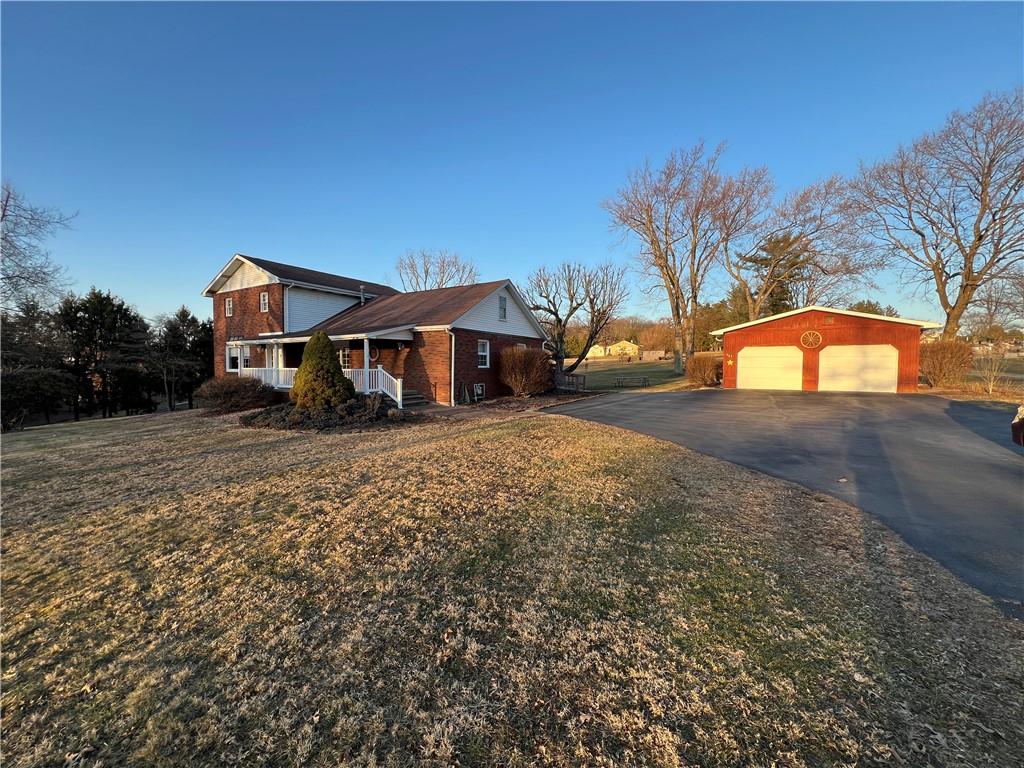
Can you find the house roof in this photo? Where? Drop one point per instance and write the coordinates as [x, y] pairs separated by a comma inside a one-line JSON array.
[[288, 273], [830, 310], [440, 306]]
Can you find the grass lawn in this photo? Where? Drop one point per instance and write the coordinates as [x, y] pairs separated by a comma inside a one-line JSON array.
[[601, 374], [502, 591]]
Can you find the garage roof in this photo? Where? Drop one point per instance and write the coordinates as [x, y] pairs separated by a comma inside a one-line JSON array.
[[830, 310]]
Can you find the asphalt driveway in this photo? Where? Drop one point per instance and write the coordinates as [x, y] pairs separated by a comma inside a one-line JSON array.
[[942, 474]]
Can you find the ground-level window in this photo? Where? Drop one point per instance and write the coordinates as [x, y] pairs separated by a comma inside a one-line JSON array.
[[345, 356], [503, 308], [264, 301], [483, 354], [229, 307], [232, 358], [521, 345]]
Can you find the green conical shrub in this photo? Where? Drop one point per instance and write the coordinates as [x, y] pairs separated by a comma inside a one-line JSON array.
[[320, 383]]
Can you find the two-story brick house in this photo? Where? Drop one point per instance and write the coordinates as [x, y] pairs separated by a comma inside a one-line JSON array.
[[440, 345]]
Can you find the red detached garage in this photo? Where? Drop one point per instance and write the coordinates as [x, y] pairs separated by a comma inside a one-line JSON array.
[[820, 349]]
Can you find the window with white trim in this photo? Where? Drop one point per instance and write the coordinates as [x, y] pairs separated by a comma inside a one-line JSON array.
[[264, 301], [483, 353], [229, 307], [232, 358], [247, 357], [345, 357], [503, 307]]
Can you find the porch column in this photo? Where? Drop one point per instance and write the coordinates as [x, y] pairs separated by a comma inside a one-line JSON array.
[[366, 364]]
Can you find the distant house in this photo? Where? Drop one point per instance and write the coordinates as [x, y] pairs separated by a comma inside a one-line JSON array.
[[618, 349], [437, 346]]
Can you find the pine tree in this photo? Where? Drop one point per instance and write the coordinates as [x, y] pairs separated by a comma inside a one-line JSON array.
[[320, 382]]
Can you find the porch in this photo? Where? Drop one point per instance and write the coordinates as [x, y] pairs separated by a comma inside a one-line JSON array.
[[277, 360], [365, 380]]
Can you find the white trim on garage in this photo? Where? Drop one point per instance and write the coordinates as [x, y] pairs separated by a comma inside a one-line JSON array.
[[831, 311]]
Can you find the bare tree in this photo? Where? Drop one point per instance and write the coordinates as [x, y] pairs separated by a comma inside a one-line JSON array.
[[423, 270], [990, 369], [996, 308], [27, 272], [950, 206], [674, 214], [571, 295], [803, 246]]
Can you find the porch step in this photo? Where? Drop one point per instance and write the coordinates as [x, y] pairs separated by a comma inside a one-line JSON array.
[[411, 398]]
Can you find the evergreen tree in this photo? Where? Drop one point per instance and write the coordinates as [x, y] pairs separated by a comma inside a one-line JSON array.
[[105, 341], [871, 307], [320, 382]]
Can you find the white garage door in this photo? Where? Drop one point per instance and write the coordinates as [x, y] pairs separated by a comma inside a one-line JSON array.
[[858, 368], [770, 368]]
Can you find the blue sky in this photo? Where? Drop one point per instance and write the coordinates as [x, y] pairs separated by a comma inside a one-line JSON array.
[[338, 136]]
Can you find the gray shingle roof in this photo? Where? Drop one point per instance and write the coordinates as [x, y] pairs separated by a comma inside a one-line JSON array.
[[288, 272]]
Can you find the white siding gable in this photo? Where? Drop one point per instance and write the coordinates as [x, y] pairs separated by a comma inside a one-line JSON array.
[[484, 317], [247, 276], [305, 307]]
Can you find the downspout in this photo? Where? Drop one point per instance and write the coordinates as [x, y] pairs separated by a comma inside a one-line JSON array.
[[284, 311], [451, 382]]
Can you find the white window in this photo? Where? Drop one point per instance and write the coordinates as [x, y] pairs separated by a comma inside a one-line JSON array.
[[483, 354], [264, 301], [247, 357], [232, 358], [345, 356], [521, 346], [503, 308], [229, 307]]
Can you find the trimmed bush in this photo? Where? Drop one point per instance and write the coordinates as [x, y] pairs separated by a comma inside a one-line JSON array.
[[704, 368], [320, 383], [359, 412], [236, 393], [945, 364], [524, 370]]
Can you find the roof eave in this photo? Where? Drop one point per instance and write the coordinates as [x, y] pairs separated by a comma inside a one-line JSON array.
[[923, 324]]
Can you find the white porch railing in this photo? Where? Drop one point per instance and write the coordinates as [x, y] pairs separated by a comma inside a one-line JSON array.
[[378, 380], [281, 378]]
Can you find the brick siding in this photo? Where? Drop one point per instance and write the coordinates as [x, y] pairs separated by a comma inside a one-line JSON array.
[[466, 370], [247, 322]]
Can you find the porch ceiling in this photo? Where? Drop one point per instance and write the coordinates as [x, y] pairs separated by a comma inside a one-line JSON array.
[[403, 333]]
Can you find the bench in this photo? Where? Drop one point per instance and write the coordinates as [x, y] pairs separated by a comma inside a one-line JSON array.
[[632, 381]]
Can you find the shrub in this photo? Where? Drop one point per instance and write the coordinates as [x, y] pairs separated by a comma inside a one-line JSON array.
[[235, 393], [946, 363], [704, 368], [359, 411], [524, 370], [991, 368], [320, 383]]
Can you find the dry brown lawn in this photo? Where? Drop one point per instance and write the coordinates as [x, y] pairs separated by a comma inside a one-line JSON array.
[[509, 590]]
